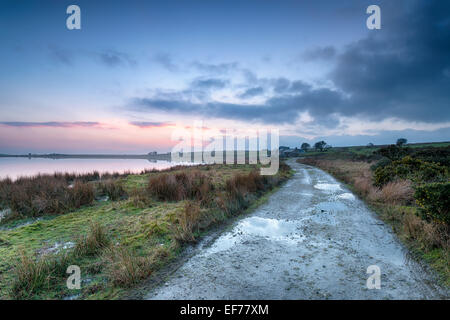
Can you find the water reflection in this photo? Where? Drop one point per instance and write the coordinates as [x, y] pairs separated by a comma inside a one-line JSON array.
[[330, 187], [16, 167], [256, 227]]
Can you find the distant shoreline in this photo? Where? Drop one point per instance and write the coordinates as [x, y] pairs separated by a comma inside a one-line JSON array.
[[162, 156]]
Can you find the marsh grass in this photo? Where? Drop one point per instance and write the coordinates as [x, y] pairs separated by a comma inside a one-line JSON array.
[[114, 189], [92, 243], [33, 274], [144, 232]]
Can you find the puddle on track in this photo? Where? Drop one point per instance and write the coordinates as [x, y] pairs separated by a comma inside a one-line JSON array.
[[330, 187], [269, 229]]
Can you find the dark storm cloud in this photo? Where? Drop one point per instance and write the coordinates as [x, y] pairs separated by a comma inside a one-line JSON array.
[[402, 71], [252, 92], [276, 110], [399, 71]]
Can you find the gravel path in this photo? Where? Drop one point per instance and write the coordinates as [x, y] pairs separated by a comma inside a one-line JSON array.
[[313, 239]]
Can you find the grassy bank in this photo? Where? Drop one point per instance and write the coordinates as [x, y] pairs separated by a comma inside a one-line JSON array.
[[132, 226], [393, 188]]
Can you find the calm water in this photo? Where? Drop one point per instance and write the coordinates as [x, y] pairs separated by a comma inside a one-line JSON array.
[[16, 167]]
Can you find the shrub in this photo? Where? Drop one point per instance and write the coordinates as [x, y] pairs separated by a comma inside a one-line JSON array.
[[439, 155], [408, 168], [383, 162], [434, 201], [393, 152]]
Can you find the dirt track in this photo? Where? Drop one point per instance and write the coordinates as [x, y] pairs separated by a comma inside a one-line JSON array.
[[313, 239]]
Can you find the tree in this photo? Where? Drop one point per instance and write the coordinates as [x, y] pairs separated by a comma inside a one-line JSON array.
[[401, 141], [305, 146], [370, 145], [320, 145]]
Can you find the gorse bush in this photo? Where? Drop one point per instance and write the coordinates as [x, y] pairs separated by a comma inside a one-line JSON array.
[[393, 152], [436, 155], [415, 170], [434, 201]]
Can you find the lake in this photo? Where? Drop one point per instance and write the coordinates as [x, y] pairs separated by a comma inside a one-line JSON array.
[[17, 167]]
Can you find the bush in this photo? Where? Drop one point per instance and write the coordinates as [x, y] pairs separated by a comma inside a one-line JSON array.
[[434, 201], [393, 152], [408, 168], [440, 155], [383, 162]]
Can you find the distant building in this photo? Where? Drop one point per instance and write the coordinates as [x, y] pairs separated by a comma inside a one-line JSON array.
[[152, 153]]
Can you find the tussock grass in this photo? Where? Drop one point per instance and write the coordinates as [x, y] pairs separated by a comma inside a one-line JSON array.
[[113, 189], [92, 243], [33, 274], [44, 194], [187, 222], [123, 268], [191, 184]]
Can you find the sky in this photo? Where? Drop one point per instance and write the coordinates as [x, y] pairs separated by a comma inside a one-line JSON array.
[[137, 71]]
